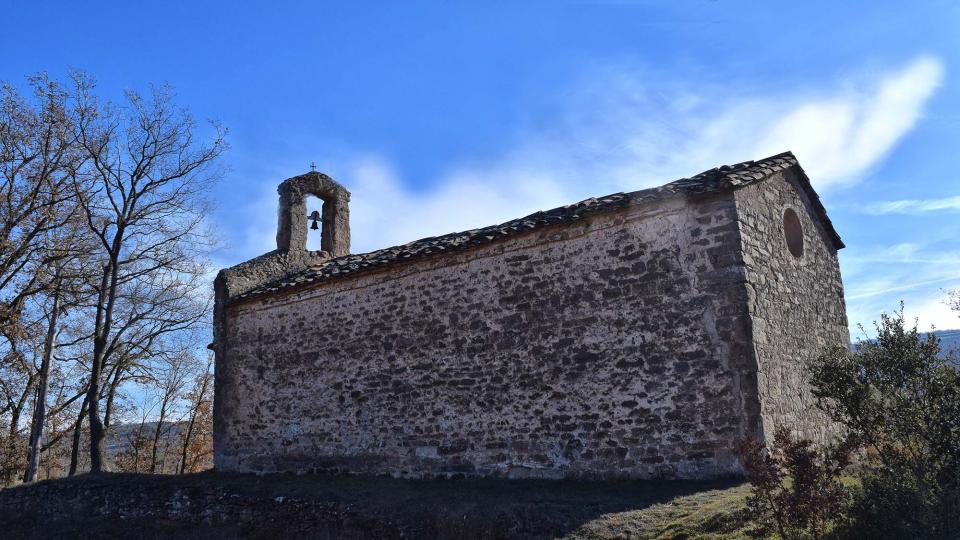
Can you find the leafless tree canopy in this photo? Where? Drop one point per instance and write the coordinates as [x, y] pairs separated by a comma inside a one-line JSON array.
[[104, 297], [38, 156]]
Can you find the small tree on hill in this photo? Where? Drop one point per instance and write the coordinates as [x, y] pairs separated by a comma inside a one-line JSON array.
[[797, 488], [197, 445]]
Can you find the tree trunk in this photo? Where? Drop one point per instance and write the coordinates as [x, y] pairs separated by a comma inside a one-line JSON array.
[[102, 323], [137, 446], [111, 394], [10, 474], [97, 433], [156, 444], [77, 434], [12, 450], [156, 436], [194, 411], [186, 441], [40, 404]]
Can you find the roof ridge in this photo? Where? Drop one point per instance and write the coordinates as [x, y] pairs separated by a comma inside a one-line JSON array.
[[717, 179]]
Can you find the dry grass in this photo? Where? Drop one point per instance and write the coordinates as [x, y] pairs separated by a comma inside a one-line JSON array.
[[715, 514]]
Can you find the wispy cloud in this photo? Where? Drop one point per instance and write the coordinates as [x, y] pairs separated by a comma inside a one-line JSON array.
[[840, 136], [884, 286], [914, 206], [936, 253], [615, 131], [930, 311], [877, 277]]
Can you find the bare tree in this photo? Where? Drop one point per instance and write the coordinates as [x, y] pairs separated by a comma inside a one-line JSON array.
[[77, 437], [155, 318], [135, 177], [174, 378], [40, 402], [137, 443], [67, 248], [198, 437], [142, 191], [17, 381], [19, 376], [38, 155], [197, 443]]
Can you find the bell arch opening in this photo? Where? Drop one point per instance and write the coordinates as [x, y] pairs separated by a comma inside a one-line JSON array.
[[315, 223]]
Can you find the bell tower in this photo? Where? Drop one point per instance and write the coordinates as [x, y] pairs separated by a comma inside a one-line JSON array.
[[334, 218]]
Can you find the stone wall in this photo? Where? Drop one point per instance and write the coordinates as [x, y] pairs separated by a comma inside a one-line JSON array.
[[219, 506], [617, 345], [796, 303], [196, 506]]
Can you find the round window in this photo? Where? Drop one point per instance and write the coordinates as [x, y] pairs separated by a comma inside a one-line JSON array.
[[793, 232]]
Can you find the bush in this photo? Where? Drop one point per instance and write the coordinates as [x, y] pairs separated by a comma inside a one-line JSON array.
[[900, 396], [797, 490]]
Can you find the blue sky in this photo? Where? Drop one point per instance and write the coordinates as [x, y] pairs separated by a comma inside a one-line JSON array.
[[441, 117]]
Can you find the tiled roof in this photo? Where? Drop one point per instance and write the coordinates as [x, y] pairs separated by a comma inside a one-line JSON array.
[[713, 180]]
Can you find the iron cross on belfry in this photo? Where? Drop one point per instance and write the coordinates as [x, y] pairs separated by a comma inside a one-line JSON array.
[[315, 216]]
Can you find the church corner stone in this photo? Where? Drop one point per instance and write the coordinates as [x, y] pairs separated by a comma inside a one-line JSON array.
[[634, 336]]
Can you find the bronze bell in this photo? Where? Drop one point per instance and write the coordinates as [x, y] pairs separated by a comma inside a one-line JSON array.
[[315, 216]]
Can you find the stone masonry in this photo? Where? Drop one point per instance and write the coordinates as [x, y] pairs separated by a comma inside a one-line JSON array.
[[636, 335]]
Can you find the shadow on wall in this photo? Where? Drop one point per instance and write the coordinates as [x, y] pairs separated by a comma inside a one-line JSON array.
[[209, 505]]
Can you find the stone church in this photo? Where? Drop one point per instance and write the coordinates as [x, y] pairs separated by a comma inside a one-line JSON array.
[[635, 335]]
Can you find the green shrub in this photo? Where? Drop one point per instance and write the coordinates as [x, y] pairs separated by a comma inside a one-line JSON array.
[[900, 397]]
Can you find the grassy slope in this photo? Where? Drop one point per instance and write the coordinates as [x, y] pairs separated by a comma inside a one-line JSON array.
[[713, 514]]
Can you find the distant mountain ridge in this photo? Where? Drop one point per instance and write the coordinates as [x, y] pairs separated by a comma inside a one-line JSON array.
[[121, 436], [949, 341]]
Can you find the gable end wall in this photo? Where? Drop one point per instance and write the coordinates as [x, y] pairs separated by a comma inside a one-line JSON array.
[[796, 305]]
